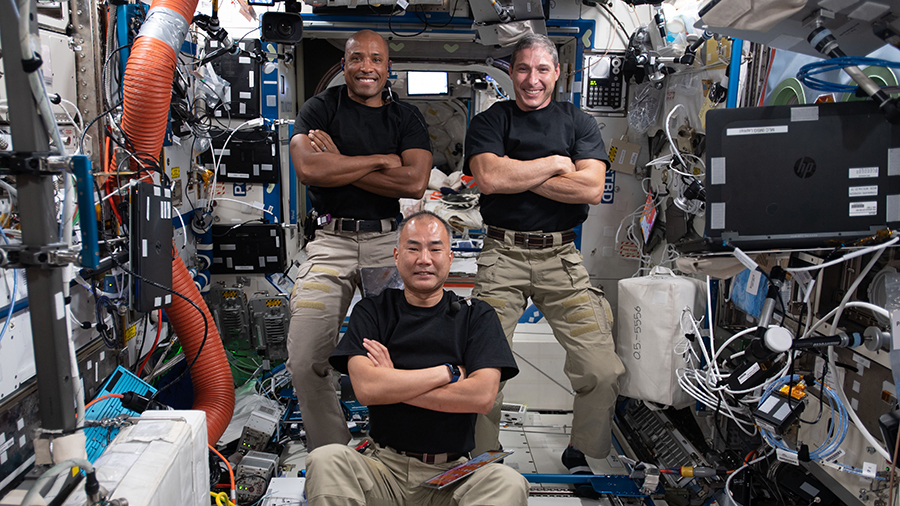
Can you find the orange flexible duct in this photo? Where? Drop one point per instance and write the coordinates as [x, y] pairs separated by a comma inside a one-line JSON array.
[[211, 375], [148, 76], [148, 88]]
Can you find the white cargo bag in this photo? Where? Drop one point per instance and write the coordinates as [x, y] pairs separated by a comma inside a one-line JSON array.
[[649, 320]]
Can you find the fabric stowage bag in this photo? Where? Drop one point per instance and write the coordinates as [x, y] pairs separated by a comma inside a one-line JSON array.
[[649, 332]]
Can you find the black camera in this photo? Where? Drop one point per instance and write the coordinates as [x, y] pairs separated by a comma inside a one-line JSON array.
[[282, 27]]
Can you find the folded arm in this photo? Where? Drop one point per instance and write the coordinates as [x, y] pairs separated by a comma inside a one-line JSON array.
[[375, 380], [584, 186], [406, 181], [328, 168], [475, 394], [496, 174]]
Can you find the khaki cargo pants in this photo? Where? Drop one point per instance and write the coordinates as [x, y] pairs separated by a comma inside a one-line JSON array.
[[339, 475], [319, 302], [581, 320]]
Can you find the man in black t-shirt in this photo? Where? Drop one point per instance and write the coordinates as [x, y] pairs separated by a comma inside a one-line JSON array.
[[539, 164], [358, 151], [424, 362]]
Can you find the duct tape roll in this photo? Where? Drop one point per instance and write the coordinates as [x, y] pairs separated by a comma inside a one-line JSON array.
[[788, 92], [166, 25]]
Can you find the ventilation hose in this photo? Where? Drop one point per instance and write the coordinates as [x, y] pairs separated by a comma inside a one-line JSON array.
[[211, 374], [148, 76], [147, 89]]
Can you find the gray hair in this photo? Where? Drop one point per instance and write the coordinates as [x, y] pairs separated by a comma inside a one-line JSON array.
[[420, 214], [534, 40]]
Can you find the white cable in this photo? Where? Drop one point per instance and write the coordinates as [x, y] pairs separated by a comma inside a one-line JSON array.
[[834, 325], [669, 135], [216, 162], [184, 245], [846, 257], [10, 189], [80, 123], [32, 494], [737, 471]]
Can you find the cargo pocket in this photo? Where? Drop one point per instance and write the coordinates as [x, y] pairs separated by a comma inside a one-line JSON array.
[[578, 275], [487, 270]]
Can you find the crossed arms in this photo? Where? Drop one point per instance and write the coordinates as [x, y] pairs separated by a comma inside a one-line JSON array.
[[375, 381], [555, 177], [318, 162]]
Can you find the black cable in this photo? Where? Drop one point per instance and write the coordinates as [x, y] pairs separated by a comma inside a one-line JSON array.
[[604, 7], [106, 63], [89, 125], [391, 28], [147, 159], [189, 301], [143, 342], [261, 220], [821, 393], [452, 15]]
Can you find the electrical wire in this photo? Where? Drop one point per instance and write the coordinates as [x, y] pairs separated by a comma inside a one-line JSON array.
[[102, 398], [230, 473], [848, 256], [155, 342], [806, 72], [189, 301], [391, 28]]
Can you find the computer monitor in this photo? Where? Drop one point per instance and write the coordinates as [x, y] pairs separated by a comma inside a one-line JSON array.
[[427, 83]]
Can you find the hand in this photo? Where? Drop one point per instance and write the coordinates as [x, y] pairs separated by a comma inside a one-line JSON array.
[[378, 354], [392, 160], [563, 164], [321, 141]]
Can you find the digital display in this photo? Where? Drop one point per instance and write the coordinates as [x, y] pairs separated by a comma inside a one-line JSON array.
[[592, 82], [427, 83]]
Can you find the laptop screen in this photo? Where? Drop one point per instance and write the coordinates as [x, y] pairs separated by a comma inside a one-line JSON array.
[[800, 176]]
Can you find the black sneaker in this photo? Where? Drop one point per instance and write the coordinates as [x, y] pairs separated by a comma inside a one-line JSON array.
[[575, 462]]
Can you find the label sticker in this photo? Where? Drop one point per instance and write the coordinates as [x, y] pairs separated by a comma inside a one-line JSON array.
[[863, 172], [787, 457], [753, 282], [863, 191], [776, 129], [869, 469], [748, 373], [869, 208]]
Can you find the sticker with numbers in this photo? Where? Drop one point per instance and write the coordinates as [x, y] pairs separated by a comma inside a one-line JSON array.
[[864, 208], [863, 172]]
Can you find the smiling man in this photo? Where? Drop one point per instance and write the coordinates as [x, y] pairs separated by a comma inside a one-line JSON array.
[[539, 164], [358, 151], [424, 362]]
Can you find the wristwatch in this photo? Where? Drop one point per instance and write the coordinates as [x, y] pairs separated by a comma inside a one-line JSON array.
[[454, 372]]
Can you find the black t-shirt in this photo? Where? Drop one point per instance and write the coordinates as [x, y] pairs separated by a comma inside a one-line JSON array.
[[418, 338], [357, 130], [558, 129]]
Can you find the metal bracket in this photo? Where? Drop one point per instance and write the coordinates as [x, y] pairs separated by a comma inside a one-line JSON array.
[[33, 163]]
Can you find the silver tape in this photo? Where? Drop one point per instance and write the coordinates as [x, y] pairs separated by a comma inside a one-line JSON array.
[[166, 25]]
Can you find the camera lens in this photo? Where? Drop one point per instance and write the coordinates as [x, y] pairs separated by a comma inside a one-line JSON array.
[[285, 28]]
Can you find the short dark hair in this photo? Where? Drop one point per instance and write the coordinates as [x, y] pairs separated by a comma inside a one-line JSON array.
[[532, 40], [420, 214]]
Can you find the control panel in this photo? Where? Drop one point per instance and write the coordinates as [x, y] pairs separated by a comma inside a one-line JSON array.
[[604, 84]]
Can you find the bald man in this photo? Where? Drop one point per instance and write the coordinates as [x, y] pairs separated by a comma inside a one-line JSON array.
[[358, 151]]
